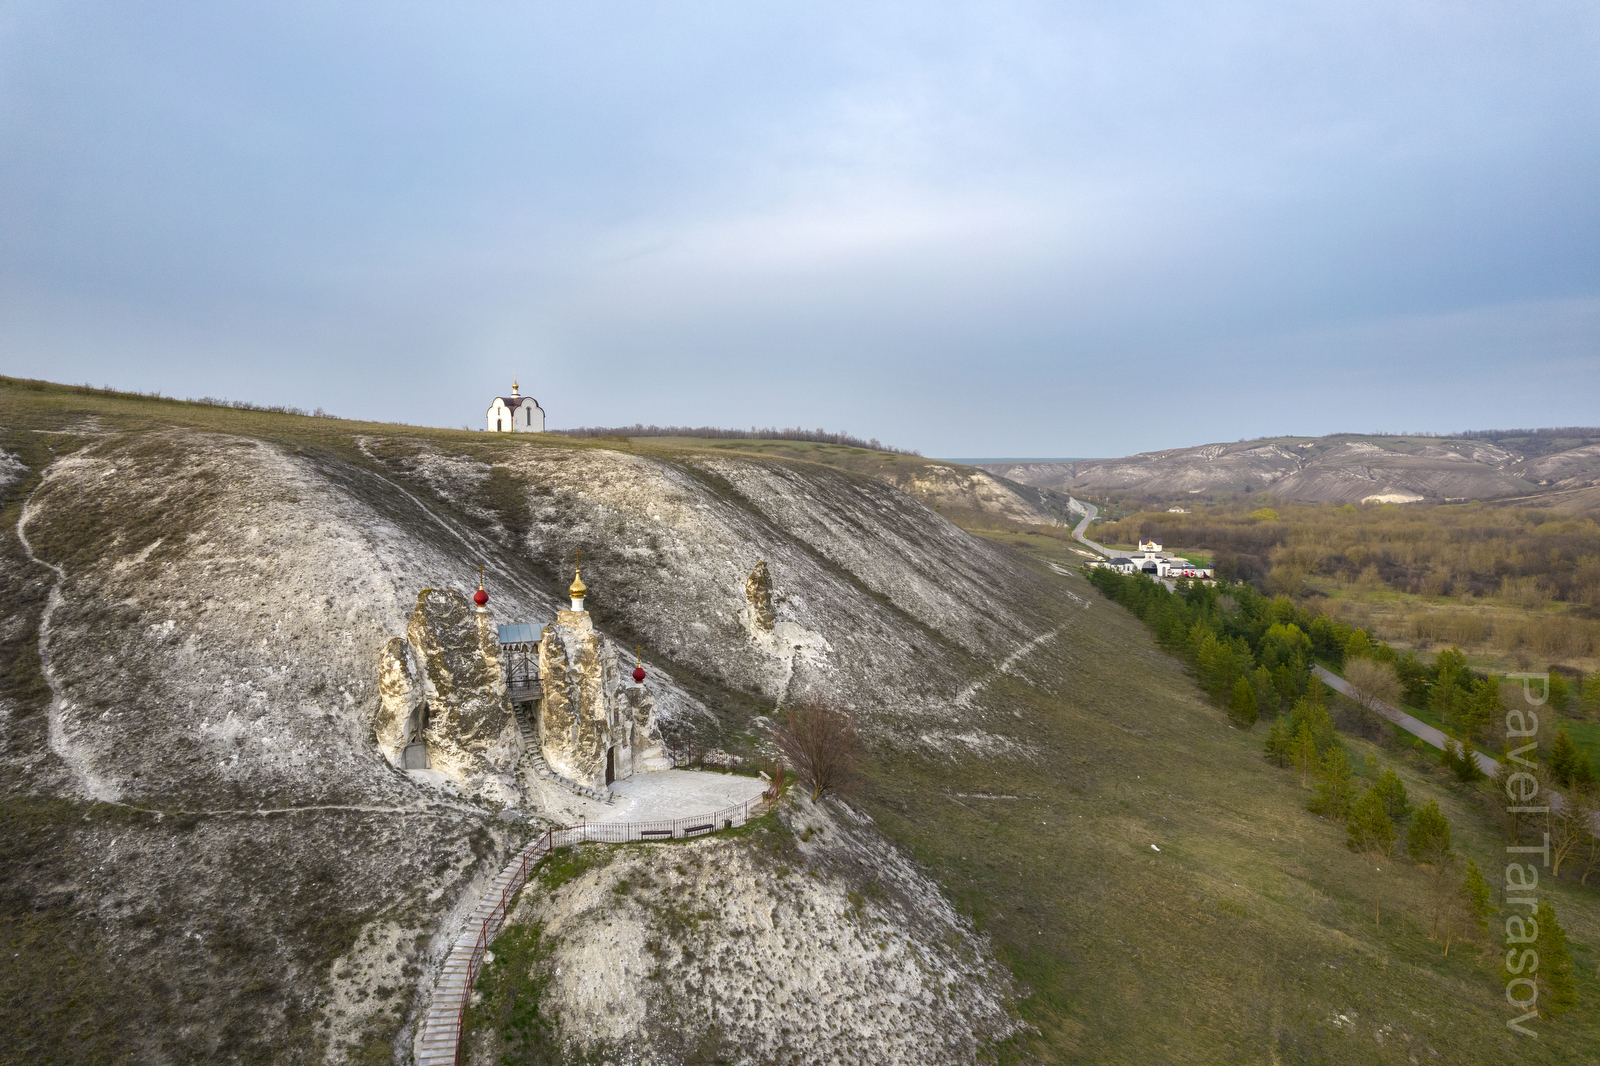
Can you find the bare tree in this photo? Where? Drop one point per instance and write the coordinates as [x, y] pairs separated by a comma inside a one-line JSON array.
[[778, 780], [1373, 683], [820, 741], [1586, 799], [1570, 827]]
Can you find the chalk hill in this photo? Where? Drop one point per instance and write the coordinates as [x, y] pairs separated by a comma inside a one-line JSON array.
[[201, 829], [205, 857], [1562, 465]]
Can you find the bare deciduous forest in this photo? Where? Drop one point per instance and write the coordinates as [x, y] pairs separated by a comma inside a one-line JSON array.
[[1512, 586]]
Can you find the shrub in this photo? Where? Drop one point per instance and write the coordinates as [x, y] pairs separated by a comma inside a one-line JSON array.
[[820, 740]]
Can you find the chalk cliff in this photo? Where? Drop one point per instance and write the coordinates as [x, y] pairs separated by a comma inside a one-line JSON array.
[[215, 651]]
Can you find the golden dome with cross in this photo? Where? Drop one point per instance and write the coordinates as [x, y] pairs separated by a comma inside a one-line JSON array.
[[578, 587]]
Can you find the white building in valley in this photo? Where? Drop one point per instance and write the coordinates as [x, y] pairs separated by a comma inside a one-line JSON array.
[[515, 413], [1151, 560]]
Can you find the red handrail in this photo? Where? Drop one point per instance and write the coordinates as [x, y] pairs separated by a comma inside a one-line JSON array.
[[630, 832]]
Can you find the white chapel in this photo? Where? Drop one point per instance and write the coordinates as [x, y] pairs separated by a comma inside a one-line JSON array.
[[515, 413]]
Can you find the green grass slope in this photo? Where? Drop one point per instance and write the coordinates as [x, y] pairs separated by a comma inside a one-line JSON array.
[[1250, 931]]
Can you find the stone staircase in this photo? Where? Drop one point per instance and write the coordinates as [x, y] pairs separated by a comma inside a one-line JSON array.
[[440, 1033], [532, 756]]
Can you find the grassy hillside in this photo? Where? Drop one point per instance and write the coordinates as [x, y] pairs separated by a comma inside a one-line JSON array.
[[1157, 886], [1251, 929]]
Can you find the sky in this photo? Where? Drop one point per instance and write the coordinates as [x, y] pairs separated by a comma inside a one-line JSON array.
[[986, 229]]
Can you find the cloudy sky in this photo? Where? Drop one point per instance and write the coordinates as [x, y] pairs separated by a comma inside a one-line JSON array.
[[988, 229]]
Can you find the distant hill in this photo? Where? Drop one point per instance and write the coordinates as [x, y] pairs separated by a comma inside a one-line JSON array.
[[1562, 465]]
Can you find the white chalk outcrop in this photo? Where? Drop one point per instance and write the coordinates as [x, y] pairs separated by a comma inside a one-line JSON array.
[[594, 726], [443, 687], [221, 615], [819, 942], [873, 584]]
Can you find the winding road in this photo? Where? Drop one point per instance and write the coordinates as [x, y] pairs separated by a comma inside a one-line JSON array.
[[1415, 726], [1418, 728], [1090, 514]]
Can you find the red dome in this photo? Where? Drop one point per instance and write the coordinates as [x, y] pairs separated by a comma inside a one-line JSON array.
[[638, 674], [480, 597]]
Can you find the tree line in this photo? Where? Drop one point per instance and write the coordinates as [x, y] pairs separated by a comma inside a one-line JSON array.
[[1252, 655], [1523, 556]]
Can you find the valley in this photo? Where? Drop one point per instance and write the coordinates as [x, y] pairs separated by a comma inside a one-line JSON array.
[[206, 859]]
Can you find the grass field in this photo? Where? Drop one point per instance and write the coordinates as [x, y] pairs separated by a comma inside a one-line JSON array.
[[1251, 929]]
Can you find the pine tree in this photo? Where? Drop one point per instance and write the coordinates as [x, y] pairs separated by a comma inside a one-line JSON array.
[[1371, 833], [1393, 791], [1559, 992], [1481, 706], [1288, 682], [1590, 701], [1370, 830], [1560, 693], [1266, 695], [1428, 840], [1450, 668], [1468, 913], [1466, 764], [1334, 791], [1278, 739], [1358, 646], [1303, 753], [1476, 896], [1206, 662], [1564, 757], [1313, 712], [1242, 708], [1197, 637]]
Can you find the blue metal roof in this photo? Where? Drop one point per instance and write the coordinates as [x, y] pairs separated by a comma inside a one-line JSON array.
[[521, 633]]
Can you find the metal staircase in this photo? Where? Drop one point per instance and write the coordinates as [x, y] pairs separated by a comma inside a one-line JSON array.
[[535, 759]]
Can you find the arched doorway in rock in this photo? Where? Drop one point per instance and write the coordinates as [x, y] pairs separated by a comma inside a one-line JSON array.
[[414, 756], [611, 765]]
